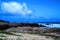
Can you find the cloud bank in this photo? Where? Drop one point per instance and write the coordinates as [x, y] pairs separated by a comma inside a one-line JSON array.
[[15, 8]]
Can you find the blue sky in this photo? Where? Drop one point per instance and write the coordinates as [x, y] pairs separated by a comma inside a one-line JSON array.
[[30, 10]]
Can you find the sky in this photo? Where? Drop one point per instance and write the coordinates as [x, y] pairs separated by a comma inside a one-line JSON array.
[[30, 10]]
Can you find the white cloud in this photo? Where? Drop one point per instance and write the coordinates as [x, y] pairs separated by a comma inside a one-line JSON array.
[[15, 8]]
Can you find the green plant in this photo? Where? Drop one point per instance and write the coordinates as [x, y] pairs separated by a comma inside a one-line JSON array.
[[18, 38], [1, 39], [57, 38]]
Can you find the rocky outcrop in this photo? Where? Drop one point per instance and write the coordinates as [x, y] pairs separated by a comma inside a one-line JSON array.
[[27, 27]]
